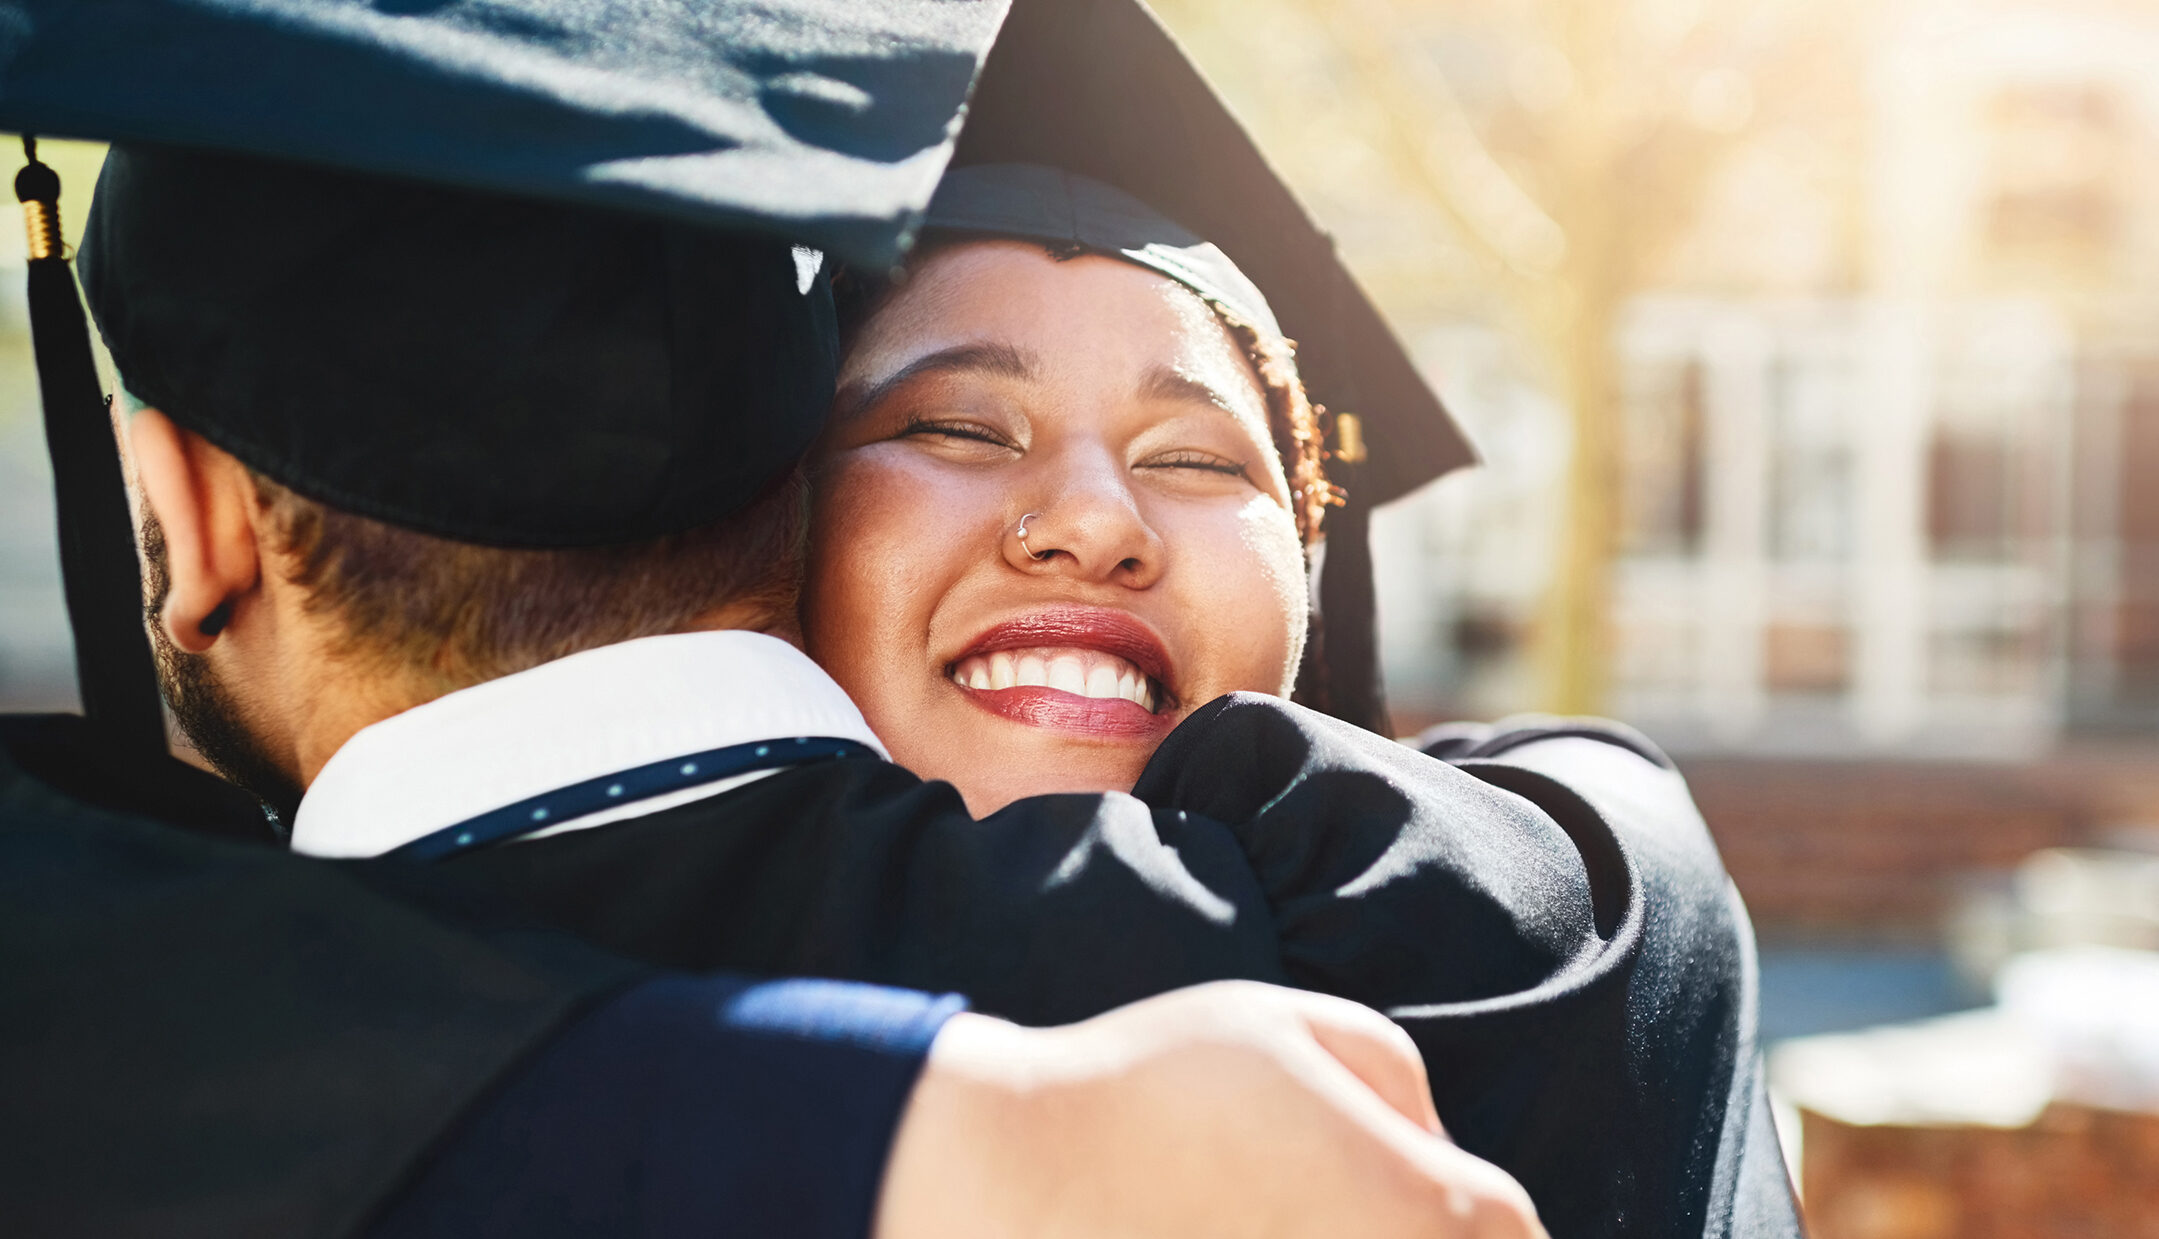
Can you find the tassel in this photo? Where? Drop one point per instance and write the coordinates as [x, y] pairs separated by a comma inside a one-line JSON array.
[[1349, 621], [99, 570], [1348, 607]]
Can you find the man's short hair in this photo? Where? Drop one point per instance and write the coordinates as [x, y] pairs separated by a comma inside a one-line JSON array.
[[439, 615]]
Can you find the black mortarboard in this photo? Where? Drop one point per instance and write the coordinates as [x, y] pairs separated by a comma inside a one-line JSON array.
[[1098, 88], [546, 176], [503, 371], [823, 120]]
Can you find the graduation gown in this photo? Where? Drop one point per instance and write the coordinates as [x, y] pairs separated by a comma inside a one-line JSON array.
[[1544, 911]]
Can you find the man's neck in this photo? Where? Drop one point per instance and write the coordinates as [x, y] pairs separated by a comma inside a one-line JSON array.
[[352, 695]]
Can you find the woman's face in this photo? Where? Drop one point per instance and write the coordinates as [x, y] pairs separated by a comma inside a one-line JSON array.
[[1112, 411]]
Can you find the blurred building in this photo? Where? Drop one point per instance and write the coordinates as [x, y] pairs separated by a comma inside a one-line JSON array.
[[1882, 395], [1908, 517]]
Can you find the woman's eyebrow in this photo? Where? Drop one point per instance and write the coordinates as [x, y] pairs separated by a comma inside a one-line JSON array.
[[1000, 360], [1168, 383]]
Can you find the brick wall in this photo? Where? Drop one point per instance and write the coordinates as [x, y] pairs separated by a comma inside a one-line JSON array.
[[2077, 1173], [1876, 848]]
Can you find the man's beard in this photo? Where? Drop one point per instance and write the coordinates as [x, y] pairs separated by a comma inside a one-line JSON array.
[[208, 714]]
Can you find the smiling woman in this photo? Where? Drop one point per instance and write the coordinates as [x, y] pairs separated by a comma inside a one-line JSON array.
[[1053, 517]]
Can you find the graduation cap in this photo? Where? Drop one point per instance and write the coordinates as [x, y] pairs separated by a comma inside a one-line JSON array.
[[302, 168], [1098, 88]]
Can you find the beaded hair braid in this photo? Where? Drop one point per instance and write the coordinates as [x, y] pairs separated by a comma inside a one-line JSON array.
[[1293, 418]]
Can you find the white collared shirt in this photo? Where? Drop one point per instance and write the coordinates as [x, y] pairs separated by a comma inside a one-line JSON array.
[[591, 714]]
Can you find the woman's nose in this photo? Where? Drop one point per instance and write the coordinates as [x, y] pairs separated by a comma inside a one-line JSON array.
[[1089, 525]]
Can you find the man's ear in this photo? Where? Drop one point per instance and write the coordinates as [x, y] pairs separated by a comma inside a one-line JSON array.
[[205, 502]]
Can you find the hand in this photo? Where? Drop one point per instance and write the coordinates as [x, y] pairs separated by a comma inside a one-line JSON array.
[[1230, 1109]]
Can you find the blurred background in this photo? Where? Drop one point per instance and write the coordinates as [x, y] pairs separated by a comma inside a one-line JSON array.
[[1813, 348]]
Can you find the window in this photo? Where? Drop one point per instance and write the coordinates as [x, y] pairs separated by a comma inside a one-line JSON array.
[[1662, 472]]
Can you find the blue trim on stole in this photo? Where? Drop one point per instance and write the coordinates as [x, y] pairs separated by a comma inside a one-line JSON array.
[[625, 787]]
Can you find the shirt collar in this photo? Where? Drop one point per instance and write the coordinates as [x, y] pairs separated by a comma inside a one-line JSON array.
[[576, 718]]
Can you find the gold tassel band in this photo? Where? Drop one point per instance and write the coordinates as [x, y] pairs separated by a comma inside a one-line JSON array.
[[1349, 438], [42, 219]]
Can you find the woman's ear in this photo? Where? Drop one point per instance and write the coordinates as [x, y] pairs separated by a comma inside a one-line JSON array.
[[203, 500]]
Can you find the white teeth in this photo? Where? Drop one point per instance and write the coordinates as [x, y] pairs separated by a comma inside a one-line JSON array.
[[1068, 674], [1080, 672], [1103, 681], [1133, 687], [1030, 671]]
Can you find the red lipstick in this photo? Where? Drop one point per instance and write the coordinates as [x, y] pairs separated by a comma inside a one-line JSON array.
[[1076, 669]]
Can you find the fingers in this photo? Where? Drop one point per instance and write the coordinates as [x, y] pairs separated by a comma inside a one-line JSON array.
[[1372, 1057], [1432, 1189], [1376, 1051], [1485, 1202]]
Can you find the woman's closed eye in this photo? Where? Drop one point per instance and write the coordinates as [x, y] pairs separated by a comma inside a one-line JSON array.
[[1195, 459], [957, 433], [973, 438]]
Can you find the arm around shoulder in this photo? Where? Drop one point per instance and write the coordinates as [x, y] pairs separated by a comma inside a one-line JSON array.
[[689, 1105]]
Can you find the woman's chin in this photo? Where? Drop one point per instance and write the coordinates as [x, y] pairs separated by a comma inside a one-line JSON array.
[[991, 776]]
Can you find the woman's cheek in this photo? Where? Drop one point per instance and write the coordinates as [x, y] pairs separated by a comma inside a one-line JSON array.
[[860, 561], [1269, 537]]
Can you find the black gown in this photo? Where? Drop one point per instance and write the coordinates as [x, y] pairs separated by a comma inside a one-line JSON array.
[[1544, 912], [274, 1043]]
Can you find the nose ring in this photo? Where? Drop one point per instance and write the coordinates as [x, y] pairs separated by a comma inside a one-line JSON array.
[[1021, 533]]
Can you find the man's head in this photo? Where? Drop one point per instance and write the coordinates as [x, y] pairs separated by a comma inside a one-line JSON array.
[[281, 624], [392, 440]]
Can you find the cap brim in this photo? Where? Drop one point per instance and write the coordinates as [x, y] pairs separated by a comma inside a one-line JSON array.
[[833, 131]]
